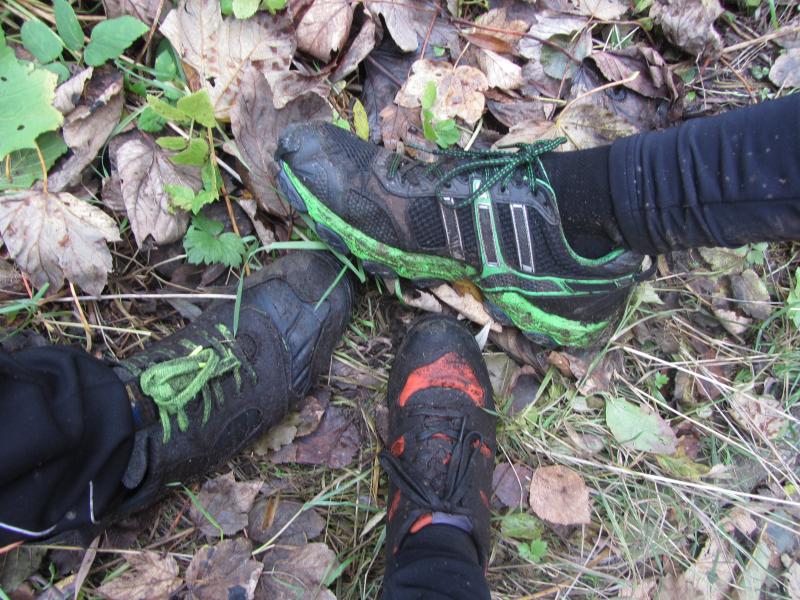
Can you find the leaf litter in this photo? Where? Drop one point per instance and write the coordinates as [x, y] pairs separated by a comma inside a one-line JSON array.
[[591, 70]]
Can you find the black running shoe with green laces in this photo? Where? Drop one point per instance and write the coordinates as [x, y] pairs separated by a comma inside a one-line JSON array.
[[204, 393], [487, 216], [441, 445]]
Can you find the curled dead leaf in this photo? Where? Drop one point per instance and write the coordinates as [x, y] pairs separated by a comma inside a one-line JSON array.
[[466, 305], [785, 71], [559, 495], [761, 415], [510, 483], [224, 570], [292, 572], [227, 501], [406, 21], [323, 27], [459, 90], [689, 24], [57, 236]]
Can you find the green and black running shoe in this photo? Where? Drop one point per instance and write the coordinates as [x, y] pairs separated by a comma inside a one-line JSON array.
[[487, 216]]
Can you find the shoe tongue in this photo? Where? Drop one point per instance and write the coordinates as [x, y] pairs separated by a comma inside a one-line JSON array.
[[143, 409]]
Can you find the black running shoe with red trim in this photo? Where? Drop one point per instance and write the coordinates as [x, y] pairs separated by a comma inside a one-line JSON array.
[[441, 436]]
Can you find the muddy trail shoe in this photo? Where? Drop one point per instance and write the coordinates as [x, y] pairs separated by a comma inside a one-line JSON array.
[[441, 436], [203, 394], [487, 216]]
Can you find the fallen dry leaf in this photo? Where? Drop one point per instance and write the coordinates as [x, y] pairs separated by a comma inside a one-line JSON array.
[[458, 90], [751, 294], [496, 24], [144, 10], [57, 236], [584, 126], [466, 305], [398, 124], [335, 443], [602, 10], [323, 27], [793, 581], [761, 415], [293, 84], [712, 572], [422, 300], [559, 495], [357, 51], [150, 577], [510, 484], [271, 515], [689, 24], [216, 51], [224, 570], [144, 169], [406, 21], [256, 125], [69, 93], [292, 572], [654, 80], [88, 126], [524, 388], [733, 322], [785, 71], [500, 72], [227, 501]]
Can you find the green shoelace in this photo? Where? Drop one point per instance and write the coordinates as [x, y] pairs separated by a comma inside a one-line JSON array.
[[499, 166], [173, 383]]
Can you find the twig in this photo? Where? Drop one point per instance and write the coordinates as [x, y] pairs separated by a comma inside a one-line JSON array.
[[606, 86], [152, 32], [209, 296], [767, 37], [43, 165], [82, 317]]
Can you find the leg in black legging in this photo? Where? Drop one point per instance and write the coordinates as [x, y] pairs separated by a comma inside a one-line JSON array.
[[438, 563], [67, 432], [717, 181]]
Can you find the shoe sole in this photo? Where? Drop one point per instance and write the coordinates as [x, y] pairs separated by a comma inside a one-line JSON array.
[[508, 308]]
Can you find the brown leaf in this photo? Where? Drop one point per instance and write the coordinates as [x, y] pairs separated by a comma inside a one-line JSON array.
[[293, 572], [559, 495], [217, 51], [602, 10], [88, 126], [785, 71], [227, 501], [592, 378], [548, 24], [312, 411], [293, 84], [458, 90], [57, 236], [69, 93], [150, 577], [144, 169], [335, 443], [689, 24], [358, 50], [654, 77], [494, 31], [406, 21], [144, 10], [323, 27], [761, 415], [256, 125], [751, 294], [512, 111], [224, 570], [422, 300], [524, 387], [584, 126], [270, 515], [466, 305], [510, 483], [500, 72], [398, 124]]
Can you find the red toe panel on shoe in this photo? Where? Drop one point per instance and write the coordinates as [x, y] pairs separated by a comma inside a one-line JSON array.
[[449, 371]]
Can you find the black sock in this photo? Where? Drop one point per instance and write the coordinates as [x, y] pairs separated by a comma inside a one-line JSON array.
[[581, 183]]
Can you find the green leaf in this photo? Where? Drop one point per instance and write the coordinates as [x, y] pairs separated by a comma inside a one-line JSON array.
[[428, 98], [172, 142], [273, 6], [195, 154], [639, 427], [226, 7], [150, 121], [682, 466], [340, 122], [521, 526], [205, 243], [446, 133], [41, 41], [427, 125], [61, 71], [244, 9], [198, 107], [212, 178], [167, 111], [361, 121], [26, 103], [165, 66], [533, 551], [793, 300], [69, 28], [184, 197], [111, 38], [24, 164]]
